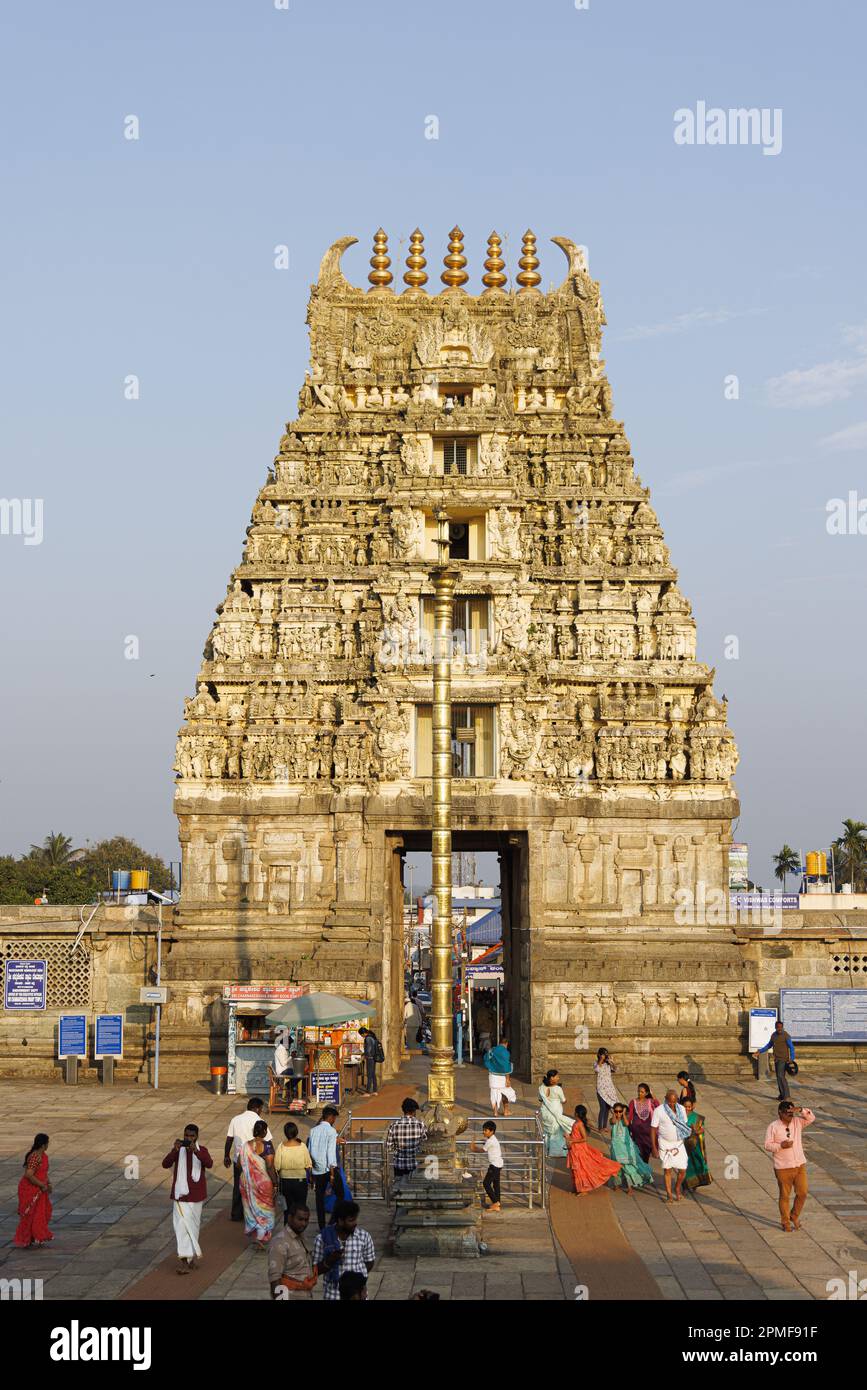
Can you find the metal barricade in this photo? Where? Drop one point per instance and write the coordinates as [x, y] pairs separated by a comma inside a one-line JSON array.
[[523, 1181], [365, 1160], [524, 1178]]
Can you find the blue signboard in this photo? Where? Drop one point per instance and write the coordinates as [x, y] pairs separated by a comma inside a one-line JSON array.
[[825, 1015], [108, 1040], [326, 1087], [25, 985], [72, 1036]]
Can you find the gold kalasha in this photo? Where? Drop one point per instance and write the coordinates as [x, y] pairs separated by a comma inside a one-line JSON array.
[[380, 276], [529, 277], [415, 275], [454, 275], [494, 278]]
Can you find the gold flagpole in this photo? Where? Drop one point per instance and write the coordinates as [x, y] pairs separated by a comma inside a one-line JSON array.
[[441, 1078]]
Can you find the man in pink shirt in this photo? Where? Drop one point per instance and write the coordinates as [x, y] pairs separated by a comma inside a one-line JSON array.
[[784, 1142]]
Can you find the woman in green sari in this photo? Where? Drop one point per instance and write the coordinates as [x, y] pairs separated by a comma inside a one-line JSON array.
[[697, 1174], [634, 1172]]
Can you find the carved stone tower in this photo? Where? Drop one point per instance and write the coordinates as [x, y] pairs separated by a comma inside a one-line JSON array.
[[590, 750]]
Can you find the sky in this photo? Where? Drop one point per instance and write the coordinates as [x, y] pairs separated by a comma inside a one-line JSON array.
[[262, 125]]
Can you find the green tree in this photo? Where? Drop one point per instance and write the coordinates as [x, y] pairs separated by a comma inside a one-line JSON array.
[[79, 881], [850, 853], [22, 880], [786, 862], [122, 853], [55, 849]]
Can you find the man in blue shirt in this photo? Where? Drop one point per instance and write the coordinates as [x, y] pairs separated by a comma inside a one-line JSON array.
[[322, 1143], [783, 1052]]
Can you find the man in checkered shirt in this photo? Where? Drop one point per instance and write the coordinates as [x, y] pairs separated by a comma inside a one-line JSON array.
[[341, 1247], [404, 1139]]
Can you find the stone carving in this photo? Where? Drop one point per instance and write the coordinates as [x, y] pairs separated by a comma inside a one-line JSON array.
[[504, 534]]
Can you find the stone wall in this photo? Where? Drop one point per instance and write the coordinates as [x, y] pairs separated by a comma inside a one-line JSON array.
[[103, 974], [660, 1000]]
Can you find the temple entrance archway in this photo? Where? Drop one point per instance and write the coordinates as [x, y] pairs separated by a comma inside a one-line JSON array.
[[512, 851]]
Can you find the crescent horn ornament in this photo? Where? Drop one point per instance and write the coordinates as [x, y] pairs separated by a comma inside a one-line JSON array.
[[330, 267], [575, 257]]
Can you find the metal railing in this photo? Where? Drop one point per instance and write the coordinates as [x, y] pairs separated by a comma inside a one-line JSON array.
[[524, 1177], [523, 1181], [365, 1159]]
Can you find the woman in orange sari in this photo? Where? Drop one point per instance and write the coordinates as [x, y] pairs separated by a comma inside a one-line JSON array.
[[590, 1168], [34, 1200]]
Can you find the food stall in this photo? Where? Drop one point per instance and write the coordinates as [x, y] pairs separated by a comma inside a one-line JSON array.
[[250, 1048], [329, 1027], [335, 1059]]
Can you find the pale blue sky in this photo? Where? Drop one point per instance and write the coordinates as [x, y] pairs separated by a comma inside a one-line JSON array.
[[262, 126]]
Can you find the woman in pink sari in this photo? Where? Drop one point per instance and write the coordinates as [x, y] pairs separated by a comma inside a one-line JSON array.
[[258, 1184], [34, 1199]]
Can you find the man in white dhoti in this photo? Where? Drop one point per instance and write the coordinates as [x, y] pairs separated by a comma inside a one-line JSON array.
[[189, 1159], [669, 1127]]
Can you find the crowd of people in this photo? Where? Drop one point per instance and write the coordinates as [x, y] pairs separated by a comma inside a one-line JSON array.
[[670, 1130], [272, 1186]]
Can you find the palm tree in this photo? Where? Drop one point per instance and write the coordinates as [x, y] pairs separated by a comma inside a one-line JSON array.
[[54, 850], [788, 861], [851, 849]]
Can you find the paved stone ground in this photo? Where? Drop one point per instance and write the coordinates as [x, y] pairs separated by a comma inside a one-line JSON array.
[[111, 1230], [727, 1242]]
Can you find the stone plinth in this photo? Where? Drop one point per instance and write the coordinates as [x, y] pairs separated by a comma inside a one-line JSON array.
[[438, 1208]]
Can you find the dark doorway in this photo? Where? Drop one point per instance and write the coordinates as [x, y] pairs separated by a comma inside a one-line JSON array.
[[498, 861]]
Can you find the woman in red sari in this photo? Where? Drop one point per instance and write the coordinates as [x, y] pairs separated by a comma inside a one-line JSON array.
[[590, 1168], [34, 1200]]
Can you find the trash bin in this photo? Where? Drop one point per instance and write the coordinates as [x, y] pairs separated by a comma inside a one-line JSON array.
[[218, 1080]]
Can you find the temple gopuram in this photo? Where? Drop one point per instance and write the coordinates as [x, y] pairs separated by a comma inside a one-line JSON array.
[[591, 752]]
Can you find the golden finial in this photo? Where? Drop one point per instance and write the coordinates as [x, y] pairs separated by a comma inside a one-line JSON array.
[[495, 279], [415, 275], [454, 274], [380, 276], [529, 277]]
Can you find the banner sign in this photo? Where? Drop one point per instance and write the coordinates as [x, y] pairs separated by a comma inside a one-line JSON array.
[[752, 902], [825, 1015], [483, 973], [108, 1036], [739, 868], [25, 984], [264, 993]]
